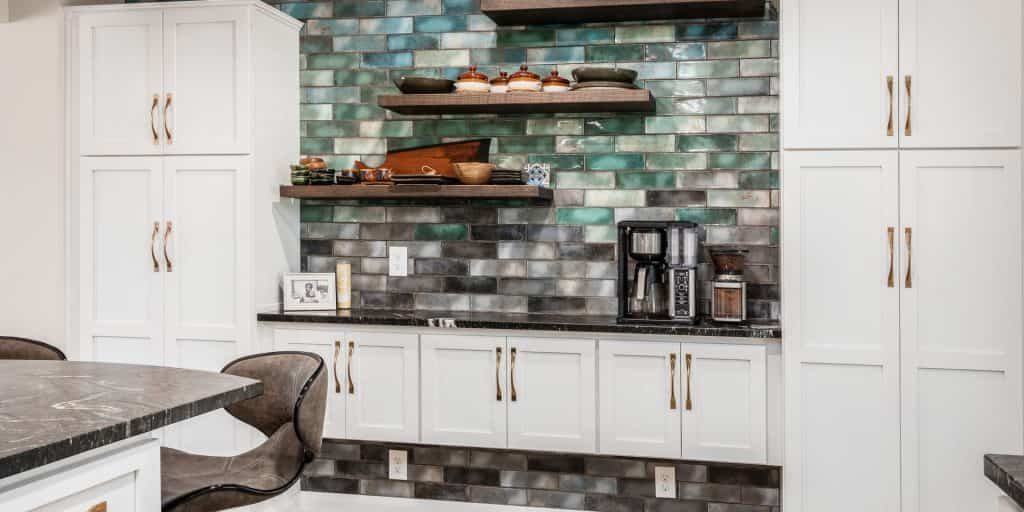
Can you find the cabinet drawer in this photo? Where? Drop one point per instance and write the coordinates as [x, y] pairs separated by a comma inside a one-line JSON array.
[[117, 495]]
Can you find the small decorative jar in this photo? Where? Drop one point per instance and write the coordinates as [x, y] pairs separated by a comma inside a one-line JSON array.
[[555, 83], [499, 85], [524, 81], [472, 82]]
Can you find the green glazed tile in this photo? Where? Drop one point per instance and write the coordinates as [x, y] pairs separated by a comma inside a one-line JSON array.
[[308, 146], [585, 144], [385, 129], [413, 7], [759, 179], [674, 124], [385, 25], [317, 78], [333, 61], [315, 112], [461, 6], [413, 42], [554, 126], [332, 27], [442, 58], [441, 232], [704, 180], [440, 24], [737, 86], [316, 214], [619, 125], [315, 45], [357, 112], [583, 180], [676, 51], [526, 144], [411, 142], [759, 142], [720, 216], [744, 161], [645, 143], [585, 35], [647, 180], [331, 129], [706, 31], [615, 161], [559, 162], [341, 161], [773, 235], [360, 77], [359, 146], [759, 67], [397, 73], [676, 161], [676, 88], [360, 43], [740, 123], [706, 143], [739, 49], [557, 55], [584, 216], [387, 60], [509, 161], [709, 69], [739, 198], [306, 10], [469, 40], [513, 56], [615, 53], [330, 95], [535, 37], [759, 105], [356, 8], [496, 127], [370, 94], [759, 30], [441, 128], [644, 33], [615, 198], [357, 214], [651, 70], [704, 106], [479, 22], [600, 234]]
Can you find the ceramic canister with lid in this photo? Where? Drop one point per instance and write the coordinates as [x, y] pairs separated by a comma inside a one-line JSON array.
[[555, 83], [472, 82], [524, 81], [499, 85]]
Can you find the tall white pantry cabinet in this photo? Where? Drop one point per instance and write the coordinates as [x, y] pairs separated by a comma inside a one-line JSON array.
[[182, 120], [901, 252]]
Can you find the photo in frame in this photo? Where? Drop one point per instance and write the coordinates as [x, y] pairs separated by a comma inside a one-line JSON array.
[[309, 292]]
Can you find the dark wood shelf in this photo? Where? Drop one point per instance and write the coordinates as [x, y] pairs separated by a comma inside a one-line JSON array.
[[544, 12], [605, 100], [417, 192]]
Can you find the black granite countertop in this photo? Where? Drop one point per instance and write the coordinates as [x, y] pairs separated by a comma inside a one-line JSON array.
[[1007, 472], [52, 410], [516, 321]]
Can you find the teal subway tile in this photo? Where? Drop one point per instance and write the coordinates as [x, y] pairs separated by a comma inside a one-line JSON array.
[[554, 126], [315, 112], [737, 86], [585, 144], [583, 180], [441, 58], [441, 232], [646, 143], [713, 216], [709, 69], [676, 88], [306, 10], [674, 124], [704, 180], [346, 111], [483, 56], [707, 31], [759, 142], [600, 234], [316, 213], [526, 144], [308, 146], [385, 129], [759, 105], [360, 76], [360, 43], [531, 37], [556, 55], [440, 24], [738, 123], [773, 235], [644, 33], [619, 125], [615, 198], [496, 127], [704, 106], [358, 8], [615, 53], [370, 94], [359, 146], [359, 214], [584, 216], [330, 95], [461, 6], [331, 129], [413, 7], [744, 161], [676, 51], [441, 128], [394, 74], [315, 45], [413, 42], [759, 67], [316, 78], [332, 27], [651, 70], [411, 142], [676, 161], [739, 198], [759, 30], [774, 122], [386, 25], [387, 60], [703, 143], [739, 49], [759, 179], [615, 161], [333, 61], [584, 36], [479, 22], [559, 162], [647, 180], [469, 40], [509, 161]]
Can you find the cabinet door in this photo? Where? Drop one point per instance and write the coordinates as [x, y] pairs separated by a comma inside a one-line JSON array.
[[837, 59], [207, 64], [122, 281], [464, 390], [841, 314], [960, 302], [964, 63], [640, 398], [724, 403], [552, 395], [383, 394], [120, 80], [330, 345]]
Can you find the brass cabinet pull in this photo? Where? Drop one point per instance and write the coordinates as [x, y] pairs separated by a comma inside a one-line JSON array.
[[689, 363], [497, 372], [672, 382], [889, 127], [167, 235], [152, 246], [167, 128], [909, 233], [351, 352], [99, 507], [337, 354], [515, 396], [152, 119], [908, 81], [892, 252]]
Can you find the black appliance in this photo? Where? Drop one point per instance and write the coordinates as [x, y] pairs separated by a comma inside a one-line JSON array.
[[658, 272]]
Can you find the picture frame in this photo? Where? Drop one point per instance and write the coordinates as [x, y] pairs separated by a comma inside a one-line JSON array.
[[309, 292]]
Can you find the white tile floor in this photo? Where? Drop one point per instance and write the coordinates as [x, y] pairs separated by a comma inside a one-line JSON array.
[[301, 501]]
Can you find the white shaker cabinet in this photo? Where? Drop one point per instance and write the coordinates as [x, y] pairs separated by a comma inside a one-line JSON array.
[[552, 394], [331, 346], [465, 390], [383, 387]]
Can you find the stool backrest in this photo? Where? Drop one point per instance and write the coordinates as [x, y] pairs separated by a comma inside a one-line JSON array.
[[28, 350]]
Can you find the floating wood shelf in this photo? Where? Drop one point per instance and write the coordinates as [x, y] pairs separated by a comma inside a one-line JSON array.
[[417, 192], [543, 12], [605, 100]]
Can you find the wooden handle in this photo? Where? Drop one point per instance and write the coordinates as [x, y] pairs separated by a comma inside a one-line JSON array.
[[497, 372], [512, 372], [892, 251], [351, 352], [689, 364], [908, 81], [167, 236], [167, 128], [890, 129], [337, 354], [152, 246], [99, 507], [152, 119], [672, 405], [908, 234]]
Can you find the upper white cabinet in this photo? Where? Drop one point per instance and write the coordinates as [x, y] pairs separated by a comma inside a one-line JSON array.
[[890, 73], [383, 387]]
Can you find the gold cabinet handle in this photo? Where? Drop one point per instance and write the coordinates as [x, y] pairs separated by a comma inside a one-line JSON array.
[[908, 81], [497, 372], [99, 507], [337, 354], [908, 233], [889, 82], [689, 364], [152, 119], [515, 395], [167, 128], [167, 235], [892, 251], [351, 352], [152, 246], [672, 382]]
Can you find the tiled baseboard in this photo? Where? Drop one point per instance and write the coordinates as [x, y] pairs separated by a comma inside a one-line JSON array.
[[566, 481]]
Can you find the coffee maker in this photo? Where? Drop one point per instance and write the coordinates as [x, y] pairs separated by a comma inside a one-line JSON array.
[[658, 272]]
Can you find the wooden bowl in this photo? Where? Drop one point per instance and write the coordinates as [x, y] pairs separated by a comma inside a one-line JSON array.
[[474, 173]]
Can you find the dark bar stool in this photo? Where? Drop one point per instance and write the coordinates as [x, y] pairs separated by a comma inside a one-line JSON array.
[[29, 350], [290, 413]]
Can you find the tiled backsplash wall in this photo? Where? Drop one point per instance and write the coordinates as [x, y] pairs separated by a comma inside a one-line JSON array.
[[708, 155]]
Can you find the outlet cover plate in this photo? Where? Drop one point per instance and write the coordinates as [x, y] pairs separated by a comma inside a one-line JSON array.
[[398, 465], [664, 482], [398, 261]]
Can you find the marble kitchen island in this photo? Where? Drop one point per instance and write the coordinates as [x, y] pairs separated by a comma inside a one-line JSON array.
[[77, 435]]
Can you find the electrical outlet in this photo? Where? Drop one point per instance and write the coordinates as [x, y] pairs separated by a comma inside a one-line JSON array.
[[398, 261], [398, 465], [664, 482]]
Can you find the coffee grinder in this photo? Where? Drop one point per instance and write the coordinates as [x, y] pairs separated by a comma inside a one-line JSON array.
[[729, 289]]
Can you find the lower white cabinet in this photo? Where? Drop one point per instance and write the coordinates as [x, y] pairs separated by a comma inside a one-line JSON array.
[[382, 397], [552, 395], [465, 390], [331, 347]]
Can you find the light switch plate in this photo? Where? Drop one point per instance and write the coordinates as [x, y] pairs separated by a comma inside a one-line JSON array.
[[664, 482], [398, 464], [398, 261]]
